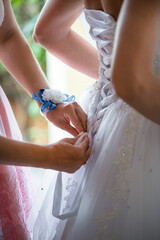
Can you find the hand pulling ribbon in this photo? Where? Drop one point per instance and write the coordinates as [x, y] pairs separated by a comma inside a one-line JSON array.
[[50, 98]]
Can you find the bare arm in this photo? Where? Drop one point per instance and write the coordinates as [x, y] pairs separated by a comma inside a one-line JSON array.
[[53, 31], [16, 55], [18, 59], [62, 156], [134, 49]]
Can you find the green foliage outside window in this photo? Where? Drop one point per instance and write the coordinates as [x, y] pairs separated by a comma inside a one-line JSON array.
[[26, 13]]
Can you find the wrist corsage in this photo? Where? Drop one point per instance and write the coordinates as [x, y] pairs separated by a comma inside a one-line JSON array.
[[50, 98]]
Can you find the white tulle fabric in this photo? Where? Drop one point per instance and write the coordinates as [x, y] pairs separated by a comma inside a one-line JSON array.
[[1, 12], [116, 195]]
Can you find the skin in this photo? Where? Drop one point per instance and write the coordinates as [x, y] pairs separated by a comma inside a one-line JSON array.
[[63, 155], [134, 46], [58, 17], [30, 76]]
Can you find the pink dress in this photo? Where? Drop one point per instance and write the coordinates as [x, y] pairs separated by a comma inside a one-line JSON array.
[[15, 189]]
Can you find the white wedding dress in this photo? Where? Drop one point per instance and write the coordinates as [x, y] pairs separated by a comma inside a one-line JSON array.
[[117, 194]]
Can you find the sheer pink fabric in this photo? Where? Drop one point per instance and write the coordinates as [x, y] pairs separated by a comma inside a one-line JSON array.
[[15, 187]]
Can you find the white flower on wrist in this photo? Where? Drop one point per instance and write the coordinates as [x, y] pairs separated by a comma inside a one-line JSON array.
[[53, 95]]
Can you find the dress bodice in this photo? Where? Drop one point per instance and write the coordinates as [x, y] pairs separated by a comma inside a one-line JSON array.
[[102, 29], [111, 196]]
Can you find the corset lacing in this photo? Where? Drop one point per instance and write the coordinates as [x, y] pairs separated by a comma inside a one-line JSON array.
[[102, 29], [102, 95]]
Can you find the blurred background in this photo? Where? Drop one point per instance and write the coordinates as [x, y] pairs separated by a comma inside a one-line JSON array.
[[33, 126]]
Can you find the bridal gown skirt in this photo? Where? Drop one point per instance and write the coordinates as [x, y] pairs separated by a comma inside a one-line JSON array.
[[116, 194], [15, 185], [121, 197]]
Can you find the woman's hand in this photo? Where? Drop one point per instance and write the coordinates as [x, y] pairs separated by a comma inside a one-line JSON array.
[[69, 117], [66, 156]]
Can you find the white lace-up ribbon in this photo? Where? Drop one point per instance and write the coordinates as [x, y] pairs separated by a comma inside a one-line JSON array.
[[102, 30]]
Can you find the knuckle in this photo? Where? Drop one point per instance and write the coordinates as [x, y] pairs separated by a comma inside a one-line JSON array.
[[78, 154], [81, 155], [78, 123], [75, 103], [85, 116], [64, 139], [73, 170], [70, 171], [68, 107]]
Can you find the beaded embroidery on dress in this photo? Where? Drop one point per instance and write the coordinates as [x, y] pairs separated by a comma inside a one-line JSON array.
[[119, 198]]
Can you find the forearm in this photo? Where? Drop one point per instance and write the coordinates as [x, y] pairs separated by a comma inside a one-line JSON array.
[[149, 101], [21, 154], [138, 86], [61, 156], [72, 50], [53, 31], [17, 58], [134, 55], [16, 55], [144, 98]]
